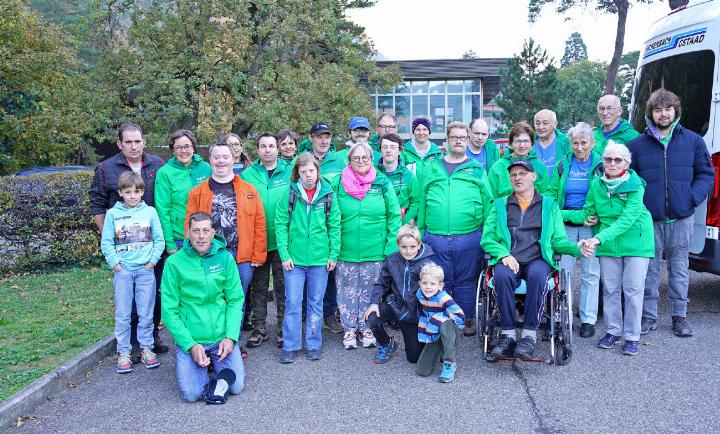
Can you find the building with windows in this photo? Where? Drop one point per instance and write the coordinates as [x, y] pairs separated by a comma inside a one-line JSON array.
[[443, 90]]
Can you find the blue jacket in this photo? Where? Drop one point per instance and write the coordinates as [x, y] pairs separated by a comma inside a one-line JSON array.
[[435, 311], [678, 177]]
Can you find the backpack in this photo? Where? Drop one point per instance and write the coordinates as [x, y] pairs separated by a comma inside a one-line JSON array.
[[326, 201]]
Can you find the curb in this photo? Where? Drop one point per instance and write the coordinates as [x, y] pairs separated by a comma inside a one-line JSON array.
[[37, 393]]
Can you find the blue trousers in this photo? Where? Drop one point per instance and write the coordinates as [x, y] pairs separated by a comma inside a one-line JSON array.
[[315, 280], [535, 274], [193, 379]]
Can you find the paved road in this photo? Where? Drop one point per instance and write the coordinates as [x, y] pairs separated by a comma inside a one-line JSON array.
[[671, 386]]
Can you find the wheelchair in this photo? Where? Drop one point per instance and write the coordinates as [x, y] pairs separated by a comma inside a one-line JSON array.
[[556, 321]]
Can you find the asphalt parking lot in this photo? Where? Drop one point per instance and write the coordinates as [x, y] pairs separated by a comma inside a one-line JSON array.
[[671, 386]]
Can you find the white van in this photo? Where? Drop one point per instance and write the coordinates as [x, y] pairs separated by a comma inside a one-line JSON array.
[[682, 55]]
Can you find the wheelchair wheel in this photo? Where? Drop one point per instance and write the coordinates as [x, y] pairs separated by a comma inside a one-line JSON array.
[[564, 341]]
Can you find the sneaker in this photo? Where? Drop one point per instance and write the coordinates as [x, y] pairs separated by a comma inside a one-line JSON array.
[[384, 352], [257, 337], [647, 325], [608, 341], [124, 364], [332, 324], [587, 330], [149, 359], [681, 327], [525, 348], [243, 352], [631, 348], [470, 328], [504, 347], [314, 355], [448, 372], [350, 340], [368, 339], [287, 357]]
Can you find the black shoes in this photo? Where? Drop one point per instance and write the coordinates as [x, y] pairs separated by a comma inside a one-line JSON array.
[[647, 325], [681, 328], [470, 328], [587, 330], [504, 347], [525, 348]]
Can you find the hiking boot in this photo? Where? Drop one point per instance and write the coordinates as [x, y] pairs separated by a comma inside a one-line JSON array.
[[246, 324], [448, 372], [332, 324], [287, 357], [257, 337], [159, 346], [124, 364], [631, 348], [149, 359], [587, 330], [504, 347], [368, 339], [470, 328], [681, 327], [608, 341], [314, 355], [647, 325], [350, 340], [525, 348], [384, 352]]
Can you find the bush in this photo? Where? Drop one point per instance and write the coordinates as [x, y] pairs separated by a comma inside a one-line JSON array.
[[45, 222]]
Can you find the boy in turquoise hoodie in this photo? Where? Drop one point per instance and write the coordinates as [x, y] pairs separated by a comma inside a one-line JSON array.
[[132, 242]]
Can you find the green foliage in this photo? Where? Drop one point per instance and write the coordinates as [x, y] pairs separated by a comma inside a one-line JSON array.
[[626, 77], [575, 50], [45, 222], [528, 85], [582, 85]]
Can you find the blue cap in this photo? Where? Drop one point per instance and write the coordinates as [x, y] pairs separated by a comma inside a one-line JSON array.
[[359, 122]]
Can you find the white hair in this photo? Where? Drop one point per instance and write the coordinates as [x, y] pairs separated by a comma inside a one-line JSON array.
[[581, 129], [360, 145], [620, 149]]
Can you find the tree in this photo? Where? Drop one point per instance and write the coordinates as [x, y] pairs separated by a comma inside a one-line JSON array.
[[618, 7], [528, 84], [582, 86], [626, 77], [469, 54], [575, 50]]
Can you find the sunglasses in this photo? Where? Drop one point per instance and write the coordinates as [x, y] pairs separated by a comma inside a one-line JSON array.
[[616, 160]]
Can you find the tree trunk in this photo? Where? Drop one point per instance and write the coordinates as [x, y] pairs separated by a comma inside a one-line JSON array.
[[622, 6]]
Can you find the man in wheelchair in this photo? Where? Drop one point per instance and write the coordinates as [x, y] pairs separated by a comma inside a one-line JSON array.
[[521, 233]]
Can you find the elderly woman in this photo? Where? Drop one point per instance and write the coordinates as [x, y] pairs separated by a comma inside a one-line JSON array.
[[241, 161], [370, 218], [521, 144], [173, 183], [420, 149], [569, 186], [406, 184], [624, 243], [288, 144]]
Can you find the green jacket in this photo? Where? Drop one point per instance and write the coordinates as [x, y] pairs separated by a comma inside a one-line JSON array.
[[456, 204], [556, 186], [202, 296], [496, 239], [414, 162], [625, 134], [374, 142], [499, 176], [309, 237], [626, 227], [407, 189], [369, 226], [562, 144], [173, 183], [271, 190]]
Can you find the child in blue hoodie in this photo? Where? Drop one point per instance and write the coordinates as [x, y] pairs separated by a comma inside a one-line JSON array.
[[132, 242], [440, 324]]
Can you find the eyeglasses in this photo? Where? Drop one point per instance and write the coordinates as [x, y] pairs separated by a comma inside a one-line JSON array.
[[522, 142], [390, 147], [387, 127], [616, 160], [358, 159], [182, 148], [607, 109], [457, 138], [519, 174]]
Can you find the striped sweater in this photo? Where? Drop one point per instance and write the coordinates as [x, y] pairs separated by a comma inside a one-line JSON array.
[[435, 310]]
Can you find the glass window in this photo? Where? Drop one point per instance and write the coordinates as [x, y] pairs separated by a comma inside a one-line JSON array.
[[385, 104], [455, 86], [472, 86], [473, 107], [419, 105], [455, 109], [437, 113], [402, 112], [437, 87], [403, 88], [419, 87]]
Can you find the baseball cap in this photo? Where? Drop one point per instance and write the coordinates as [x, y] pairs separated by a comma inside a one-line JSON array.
[[359, 122], [524, 163], [319, 128]]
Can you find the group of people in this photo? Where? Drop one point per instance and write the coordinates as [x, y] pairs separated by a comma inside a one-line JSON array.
[[389, 232]]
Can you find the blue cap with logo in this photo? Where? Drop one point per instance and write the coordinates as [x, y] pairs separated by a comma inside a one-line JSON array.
[[359, 122]]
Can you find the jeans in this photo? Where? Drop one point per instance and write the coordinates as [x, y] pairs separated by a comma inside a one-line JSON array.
[[295, 279], [673, 239], [259, 290], [134, 288], [623, 275], [245, 270], [355, 282], [330, 304], [409, 330], [443, 348], [193, 379], [459, 256], [589, 275], [535, 273]]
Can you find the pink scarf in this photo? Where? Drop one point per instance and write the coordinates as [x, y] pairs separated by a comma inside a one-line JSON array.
[[357, 185]]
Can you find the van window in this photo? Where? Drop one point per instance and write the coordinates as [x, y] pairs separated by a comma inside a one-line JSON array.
[[689, 76]]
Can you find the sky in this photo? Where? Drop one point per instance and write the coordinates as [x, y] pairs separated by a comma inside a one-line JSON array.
[[433, 29]]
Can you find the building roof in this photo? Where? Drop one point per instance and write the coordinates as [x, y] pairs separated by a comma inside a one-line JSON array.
[[448, 69]]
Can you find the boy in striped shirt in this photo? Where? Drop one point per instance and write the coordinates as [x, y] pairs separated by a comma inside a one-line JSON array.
[[441, 321]]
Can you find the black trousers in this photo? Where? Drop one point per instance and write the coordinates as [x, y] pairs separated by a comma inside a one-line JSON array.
[[413, 347]]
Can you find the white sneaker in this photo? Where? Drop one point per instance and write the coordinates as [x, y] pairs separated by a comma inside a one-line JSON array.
[[368, 339], [350, 340]]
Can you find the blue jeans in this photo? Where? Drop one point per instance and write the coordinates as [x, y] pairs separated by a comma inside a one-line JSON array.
[[535, 273], [330, 305], [589, 275], [193, 379], [245, 270], [292, 325], [459, 256], [143, 296]]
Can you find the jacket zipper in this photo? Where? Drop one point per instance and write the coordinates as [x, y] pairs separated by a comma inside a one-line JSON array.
[[665, 177]]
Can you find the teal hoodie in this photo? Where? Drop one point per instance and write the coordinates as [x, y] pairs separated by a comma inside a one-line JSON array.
[[271, 190], [132, 237]]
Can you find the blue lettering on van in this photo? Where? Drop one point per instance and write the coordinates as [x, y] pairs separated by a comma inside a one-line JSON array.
[[669, 43]]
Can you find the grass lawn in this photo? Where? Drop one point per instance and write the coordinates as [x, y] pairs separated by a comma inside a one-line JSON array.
[[46, 319]]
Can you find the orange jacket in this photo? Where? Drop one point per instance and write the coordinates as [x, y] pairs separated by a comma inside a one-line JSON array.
[[252, 238]]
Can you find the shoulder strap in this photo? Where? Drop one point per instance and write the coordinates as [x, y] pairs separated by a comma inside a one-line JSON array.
[[561, 168], [292, 202]]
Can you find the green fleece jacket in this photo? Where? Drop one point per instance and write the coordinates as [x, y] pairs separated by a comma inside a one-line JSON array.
[[309, 237], [625, 225], [497, 241], [173, 183], [455, 204], [271, 190], [499, 176], [369, 226], [625, 134], [415, 162], [556, 187], [562, 144], [407, 189], [202, 298]]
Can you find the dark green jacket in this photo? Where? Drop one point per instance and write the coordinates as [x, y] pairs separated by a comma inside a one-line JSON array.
[[407, 188], [625, 134], [556, 186], [499, 176]]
